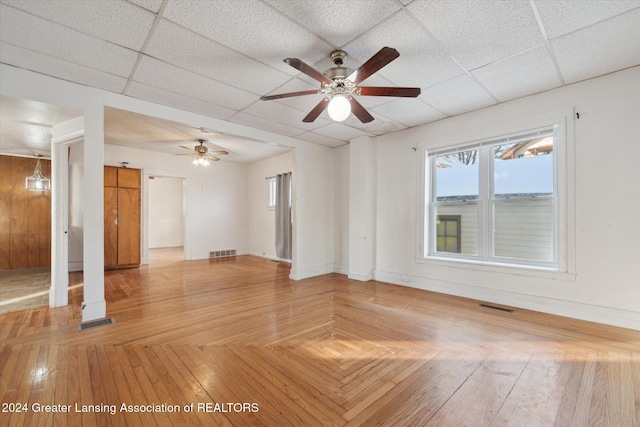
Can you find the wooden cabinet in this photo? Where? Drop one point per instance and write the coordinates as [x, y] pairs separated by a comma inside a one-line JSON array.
[[121, 217]]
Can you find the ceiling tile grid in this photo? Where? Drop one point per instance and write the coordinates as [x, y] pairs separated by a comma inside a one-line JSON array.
[[191, 51], [118, 22], [334, 20], [166, 76], [515, 76], [478, 33], [186, 103], [218, 57], [602, 48], [39, 35], [61, 69], [251, 27]]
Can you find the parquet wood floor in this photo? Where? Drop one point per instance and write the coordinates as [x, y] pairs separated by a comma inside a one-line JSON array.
[[247, 346]]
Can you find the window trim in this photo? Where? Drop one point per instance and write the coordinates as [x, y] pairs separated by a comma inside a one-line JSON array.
[[444, 140], [273, 191]]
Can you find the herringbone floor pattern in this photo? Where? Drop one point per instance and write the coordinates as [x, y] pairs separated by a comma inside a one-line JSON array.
[[247, 346]]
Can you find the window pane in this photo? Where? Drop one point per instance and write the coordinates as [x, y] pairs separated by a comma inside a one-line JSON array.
[[457, 176], [523, 169], [452, 228], [523, 229], [468, 214], [451, 244]]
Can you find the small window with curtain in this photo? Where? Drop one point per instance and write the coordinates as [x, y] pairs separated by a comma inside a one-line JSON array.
[[272, 193]]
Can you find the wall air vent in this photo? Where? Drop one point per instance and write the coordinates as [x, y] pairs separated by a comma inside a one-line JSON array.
[[493, 307], [222, 254]]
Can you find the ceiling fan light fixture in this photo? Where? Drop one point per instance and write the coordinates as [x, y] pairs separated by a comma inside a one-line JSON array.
[[200, 161], [339, 108]]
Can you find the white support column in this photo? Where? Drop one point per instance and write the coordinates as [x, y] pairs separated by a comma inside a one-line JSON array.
[[362, 208], [63, 135], [94, 305]]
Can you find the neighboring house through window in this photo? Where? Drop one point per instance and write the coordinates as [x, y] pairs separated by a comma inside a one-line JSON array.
[[495, 200]]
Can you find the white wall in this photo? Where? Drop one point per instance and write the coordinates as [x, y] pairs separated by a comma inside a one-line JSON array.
[[341, 213], [166, 220], [603, 286], [215, 207], [313, 211], [262, 221], [216, 199]]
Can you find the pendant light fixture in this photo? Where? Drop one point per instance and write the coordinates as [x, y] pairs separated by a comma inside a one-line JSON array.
[[37, 182]]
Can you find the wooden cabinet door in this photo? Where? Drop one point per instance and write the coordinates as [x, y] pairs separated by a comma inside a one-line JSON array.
[[128, 226], [128, 178], [110, 226]]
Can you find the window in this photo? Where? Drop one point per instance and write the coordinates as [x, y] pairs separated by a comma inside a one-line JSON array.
[[448, 233], [272, 192], [495, 201]]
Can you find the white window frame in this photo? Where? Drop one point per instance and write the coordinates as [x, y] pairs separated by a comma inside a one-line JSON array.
[[564, 206], [273, 191]]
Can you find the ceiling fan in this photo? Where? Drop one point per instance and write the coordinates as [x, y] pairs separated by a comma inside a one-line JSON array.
[[339, 85], [203, 155]]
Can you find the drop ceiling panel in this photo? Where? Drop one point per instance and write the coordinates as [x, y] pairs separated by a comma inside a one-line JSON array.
[[339, 131], [165, 76], [602, 48], [250, 27], [520, 75], [379, 126], [182, 102], [477, 33], [457, 96], [336, 21], [281, 113], [422, 61], [27, 31], [265, 124], [61, 69], [320, 139], [191, 51], [409, 114], [561, 17], [116, 21]]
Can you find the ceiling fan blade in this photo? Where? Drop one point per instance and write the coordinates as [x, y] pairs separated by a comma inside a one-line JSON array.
[[359, 111], [187, 148], [219, 153], [210, 157], [322, 105], [408, 92], [289, 95], [308, 70], [376, 62]]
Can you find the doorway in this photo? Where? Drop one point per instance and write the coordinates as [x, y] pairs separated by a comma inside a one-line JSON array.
[[165, 219]]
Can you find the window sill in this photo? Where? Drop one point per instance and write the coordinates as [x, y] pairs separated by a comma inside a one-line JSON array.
[[496, 267]]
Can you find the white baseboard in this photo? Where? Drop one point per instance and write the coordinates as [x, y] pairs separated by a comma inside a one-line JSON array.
[[305, 273], [592, 313], [76, 266]]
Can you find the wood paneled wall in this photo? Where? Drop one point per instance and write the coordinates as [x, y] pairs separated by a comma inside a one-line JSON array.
[[25, 216]]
